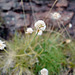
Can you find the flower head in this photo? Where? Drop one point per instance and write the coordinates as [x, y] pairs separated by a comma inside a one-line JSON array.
[[68, 41], [29, 31], [44, 71], [55, 15], [70, 25], [39, 32], [40, 24], [2, 45]]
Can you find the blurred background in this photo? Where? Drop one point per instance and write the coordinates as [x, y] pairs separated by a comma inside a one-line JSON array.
[[17, 14]]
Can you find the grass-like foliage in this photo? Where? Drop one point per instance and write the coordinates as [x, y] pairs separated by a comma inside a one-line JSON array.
[[69, 52], [28, 54], [51, 56]]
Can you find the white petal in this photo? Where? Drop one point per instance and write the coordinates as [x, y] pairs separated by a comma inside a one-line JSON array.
[[70, 25], [44, 71], [29, 30], [40, 32], [55, 15], [2, 45], [40, 24]]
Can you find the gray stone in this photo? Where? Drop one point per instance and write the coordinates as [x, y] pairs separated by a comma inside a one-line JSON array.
[[62, 3]]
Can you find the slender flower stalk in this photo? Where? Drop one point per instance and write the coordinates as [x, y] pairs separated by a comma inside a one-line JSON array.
[[30, 42]]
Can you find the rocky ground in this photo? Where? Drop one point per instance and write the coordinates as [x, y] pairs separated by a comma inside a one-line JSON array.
[[13, 15]]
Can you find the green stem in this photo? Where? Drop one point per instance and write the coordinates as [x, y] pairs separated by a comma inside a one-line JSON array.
[[20, 73], [22, 55], [30, 43], [6, 51]]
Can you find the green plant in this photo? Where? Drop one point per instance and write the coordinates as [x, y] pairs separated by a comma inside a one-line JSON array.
[[69, 52], [51, 56], [28, 54]]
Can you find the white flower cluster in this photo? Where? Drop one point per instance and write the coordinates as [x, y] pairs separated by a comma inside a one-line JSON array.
[[55, 15], [2, 45], [29, 31], [44, 71], [40, 27], [70, 25], [68, 41]]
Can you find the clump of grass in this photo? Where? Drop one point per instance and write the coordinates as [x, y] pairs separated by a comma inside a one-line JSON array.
[[28, 54], [51, 56], [69, 52]]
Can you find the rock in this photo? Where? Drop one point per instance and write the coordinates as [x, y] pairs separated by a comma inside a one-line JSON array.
[[71, 6], [20, 23], [9, 17], [17, 6], [26, 6], [73, 21], [72, 30], [65, 18], [13, 17], [38, 2], [6, 1], [62, 3], [4, 32], [7, 6], [15, 21], [1, 1], [37, 8], [59, 9], [30, 7], [12, 13]]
